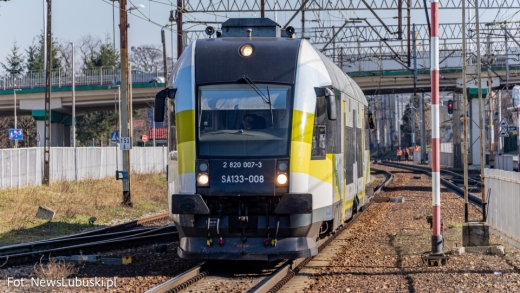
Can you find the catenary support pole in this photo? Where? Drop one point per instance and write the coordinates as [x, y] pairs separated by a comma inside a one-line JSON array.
[[414, 86], [480, 111], [126, 112], [179, 28], [398, 120], [73, 101], [490, 98], [47, 127], [499, 111], [465, 114], [437, 242], [421, 127], [408, 18]]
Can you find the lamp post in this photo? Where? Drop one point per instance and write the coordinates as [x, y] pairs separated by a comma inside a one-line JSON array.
[[15, 119], [73, 100]]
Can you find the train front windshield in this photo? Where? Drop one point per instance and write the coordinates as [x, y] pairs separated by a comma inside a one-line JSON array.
[[234, 120]]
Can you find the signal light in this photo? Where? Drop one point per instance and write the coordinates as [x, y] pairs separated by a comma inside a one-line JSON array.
[[450, 107]]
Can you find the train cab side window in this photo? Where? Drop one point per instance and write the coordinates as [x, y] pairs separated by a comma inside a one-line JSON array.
[[333, 129], [319, 135]]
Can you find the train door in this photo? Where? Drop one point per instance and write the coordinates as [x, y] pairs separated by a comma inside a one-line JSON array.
[[355, 157], [350, 158]]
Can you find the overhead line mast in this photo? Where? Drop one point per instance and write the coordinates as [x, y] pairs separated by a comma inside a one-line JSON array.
[[47, 122]]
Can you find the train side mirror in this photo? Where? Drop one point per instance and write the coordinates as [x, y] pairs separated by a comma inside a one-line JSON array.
[[331, 101], [160, 101]]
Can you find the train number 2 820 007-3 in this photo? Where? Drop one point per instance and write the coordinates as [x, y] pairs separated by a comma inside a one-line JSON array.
[[242, 179], [242, 164]]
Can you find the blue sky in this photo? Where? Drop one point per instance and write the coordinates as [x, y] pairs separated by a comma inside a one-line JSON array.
[[22, 20]]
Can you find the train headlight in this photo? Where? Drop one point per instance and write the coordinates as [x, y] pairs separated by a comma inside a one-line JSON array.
[[281, 179], [202, 168], [203, 179], [246, 50]]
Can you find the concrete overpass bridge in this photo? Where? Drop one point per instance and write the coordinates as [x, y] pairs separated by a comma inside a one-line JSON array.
[[103, 93], [90, 96], [381, 82]]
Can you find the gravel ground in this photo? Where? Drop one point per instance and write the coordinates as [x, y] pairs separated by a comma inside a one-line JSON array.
[[148, 269], [382, 252]]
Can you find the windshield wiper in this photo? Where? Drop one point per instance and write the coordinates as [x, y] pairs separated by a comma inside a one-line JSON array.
[[266, 100]]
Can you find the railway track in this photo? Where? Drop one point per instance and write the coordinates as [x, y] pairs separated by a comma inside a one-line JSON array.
[[449, 178], [120, 236], [248, 277]]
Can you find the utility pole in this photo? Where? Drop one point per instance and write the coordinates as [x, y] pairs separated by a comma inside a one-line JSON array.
[[457, 162], [47, 127], [500, 139], [73, 100], [400, 19], [421, 126], [414, 86], [179, 28], [408, 17], [126, 112], [163, 39], [303, 21], [507, 67], [465, 114], [333, 45], [44, 38], [490, 99], [480, 109], [398, 121], [15, 118]]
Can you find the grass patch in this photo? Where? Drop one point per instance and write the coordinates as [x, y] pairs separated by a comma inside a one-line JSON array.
[[75, 203], [454, 225], [54, 270]]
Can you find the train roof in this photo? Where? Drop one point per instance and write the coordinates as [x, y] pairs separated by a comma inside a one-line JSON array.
[[341, 81]]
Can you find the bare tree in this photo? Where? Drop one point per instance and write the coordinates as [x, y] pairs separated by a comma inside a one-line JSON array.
[[148, 58], [65, 56], [88, 46]]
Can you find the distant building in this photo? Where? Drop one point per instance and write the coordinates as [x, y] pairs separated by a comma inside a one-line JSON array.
[[161, 136]]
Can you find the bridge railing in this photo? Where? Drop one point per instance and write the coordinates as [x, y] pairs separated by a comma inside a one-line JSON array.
[[61, 78]]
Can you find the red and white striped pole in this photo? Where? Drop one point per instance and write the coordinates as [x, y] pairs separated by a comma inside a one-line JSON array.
[[436, 179]]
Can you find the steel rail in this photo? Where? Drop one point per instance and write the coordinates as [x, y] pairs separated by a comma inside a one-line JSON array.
[[474, 199], [154, 236], [106, 237]]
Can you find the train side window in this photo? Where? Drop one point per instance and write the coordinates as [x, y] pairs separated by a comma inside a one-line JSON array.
[[333, 144], [319, 135]]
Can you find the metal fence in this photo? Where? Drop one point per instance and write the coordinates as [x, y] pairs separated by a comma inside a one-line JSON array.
[[94, 76], [446, 159], [504, 162], [504, 201], [23, 167]]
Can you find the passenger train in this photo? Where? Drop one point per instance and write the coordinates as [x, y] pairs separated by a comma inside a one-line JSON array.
[[269, 147]]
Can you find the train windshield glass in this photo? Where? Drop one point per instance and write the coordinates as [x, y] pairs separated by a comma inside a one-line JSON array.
[[235, 121]]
